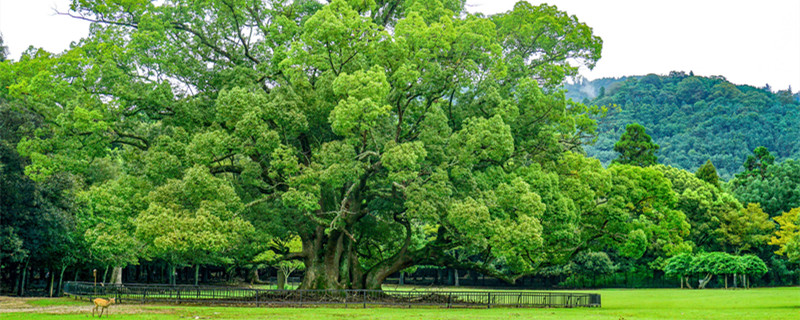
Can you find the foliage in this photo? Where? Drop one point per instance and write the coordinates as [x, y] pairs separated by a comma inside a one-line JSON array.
[[352, 139], [193, 220], [680, 266], [107, 216], [745, 229], [777, 190], [787, 237], [708, 173], [635, 147], [696, 119], [757, 163], [704, 206], [414, 134], [751, 265], [37, 225]]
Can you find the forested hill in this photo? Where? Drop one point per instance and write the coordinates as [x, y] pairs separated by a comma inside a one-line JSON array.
[[695, 119]]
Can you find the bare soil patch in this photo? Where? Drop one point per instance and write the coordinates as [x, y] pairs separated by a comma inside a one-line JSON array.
[[14, 304]]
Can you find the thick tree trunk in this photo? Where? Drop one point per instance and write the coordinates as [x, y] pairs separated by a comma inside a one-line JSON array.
[[455, 277], [726, 281], [735, 280], [116, 275], [254, 277], [281, 280], [705, 281], [331, 263], [402, 278], [196, 273]]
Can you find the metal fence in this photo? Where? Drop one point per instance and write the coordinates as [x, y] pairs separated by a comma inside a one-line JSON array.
[[149, 293]]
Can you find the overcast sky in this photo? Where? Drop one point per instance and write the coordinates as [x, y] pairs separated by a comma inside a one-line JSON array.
[[748, 42]]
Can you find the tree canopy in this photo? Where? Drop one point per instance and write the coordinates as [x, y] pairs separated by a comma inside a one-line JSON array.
[[635, 147], [694, 119], [352, 140], [354, 126]]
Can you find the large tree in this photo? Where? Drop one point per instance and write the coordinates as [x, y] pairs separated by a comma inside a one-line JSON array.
[[383, 135]]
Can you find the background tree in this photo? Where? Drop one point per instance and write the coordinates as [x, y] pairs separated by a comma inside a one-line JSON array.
[[708, 173], [107, 216], [710, 264], [777, 190], [192, 221], [787, 237], [635, 147], [591, 266], [37, 228], [704, 205], [745, 229], [757, 163]]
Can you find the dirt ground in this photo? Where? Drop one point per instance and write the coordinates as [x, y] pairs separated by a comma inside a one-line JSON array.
[[14, 304]]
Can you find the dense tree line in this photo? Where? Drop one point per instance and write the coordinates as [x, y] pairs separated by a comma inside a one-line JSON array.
[[695, 119], [352, 140]]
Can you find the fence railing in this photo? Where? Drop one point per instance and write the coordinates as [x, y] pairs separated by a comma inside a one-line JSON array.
[[149, 293]]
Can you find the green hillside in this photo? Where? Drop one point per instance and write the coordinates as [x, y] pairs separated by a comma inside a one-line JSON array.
[[695, 119]]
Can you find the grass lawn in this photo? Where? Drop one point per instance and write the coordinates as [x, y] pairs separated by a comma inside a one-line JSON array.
[[767, 303]]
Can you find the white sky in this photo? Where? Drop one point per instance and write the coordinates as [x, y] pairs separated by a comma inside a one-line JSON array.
[[748, 42]]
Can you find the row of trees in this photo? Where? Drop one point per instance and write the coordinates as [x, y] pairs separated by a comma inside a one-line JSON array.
[[706, 265], [751, 229], [355, 139]]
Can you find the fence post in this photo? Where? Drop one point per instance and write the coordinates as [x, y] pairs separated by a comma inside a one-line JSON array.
[[449, 299], [489, 300], [365, 299], [178, 295], [144, 296], [257, 298]]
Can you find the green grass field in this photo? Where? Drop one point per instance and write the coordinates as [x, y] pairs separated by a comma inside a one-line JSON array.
[[767, 303]]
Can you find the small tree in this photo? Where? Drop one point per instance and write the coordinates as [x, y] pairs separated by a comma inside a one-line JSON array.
[[708, 173], [680, 266], [709, 265], [787, 237], [757, 163], [727, 265], [192, 221], [590, 265], [635, 147], [279, 256], [751, 265], [744, 229]]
